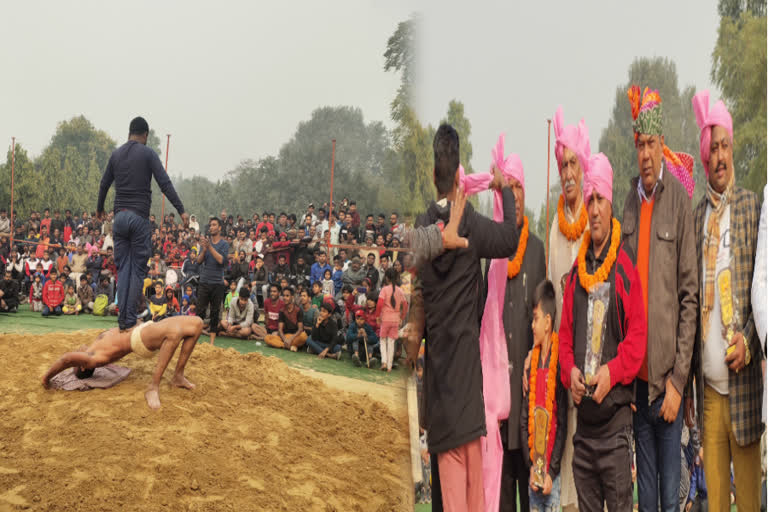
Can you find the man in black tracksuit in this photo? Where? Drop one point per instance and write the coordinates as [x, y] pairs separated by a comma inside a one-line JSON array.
[[452, 282]]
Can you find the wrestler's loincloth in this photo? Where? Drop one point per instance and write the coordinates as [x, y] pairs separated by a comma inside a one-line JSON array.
[[137, 345]]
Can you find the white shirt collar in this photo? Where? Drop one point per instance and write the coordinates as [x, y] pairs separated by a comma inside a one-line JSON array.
[[641, 190]]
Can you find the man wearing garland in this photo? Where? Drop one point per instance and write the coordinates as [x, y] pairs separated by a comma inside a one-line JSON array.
[[572, 153], [524, 271], [727, 354], [658, 227], [602, 344]]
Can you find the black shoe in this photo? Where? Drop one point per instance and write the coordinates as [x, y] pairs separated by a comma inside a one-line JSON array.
[[372, 362], [356, 360]]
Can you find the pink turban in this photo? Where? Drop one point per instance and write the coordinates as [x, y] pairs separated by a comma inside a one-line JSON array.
[[598, 178], [493, 345], [575, 138], [706, 118], [511, 167]]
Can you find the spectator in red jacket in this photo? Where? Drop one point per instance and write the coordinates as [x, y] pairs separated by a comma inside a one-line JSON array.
[[53, 294]]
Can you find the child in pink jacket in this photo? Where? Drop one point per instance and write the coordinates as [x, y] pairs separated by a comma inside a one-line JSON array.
[[391, 311]]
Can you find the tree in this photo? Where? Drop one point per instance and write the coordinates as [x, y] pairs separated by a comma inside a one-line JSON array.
[[679, 125], [739, 70], [26, 189], [456, 118], [153, 141]]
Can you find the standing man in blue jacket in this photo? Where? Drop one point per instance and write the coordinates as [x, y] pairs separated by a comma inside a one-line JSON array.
[[131, 168]]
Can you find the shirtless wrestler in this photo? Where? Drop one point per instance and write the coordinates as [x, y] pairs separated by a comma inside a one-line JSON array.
[[143, 340]]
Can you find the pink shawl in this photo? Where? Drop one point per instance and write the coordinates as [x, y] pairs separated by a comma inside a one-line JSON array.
[[493, 345]]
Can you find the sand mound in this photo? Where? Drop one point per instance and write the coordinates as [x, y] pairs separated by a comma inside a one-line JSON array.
[[254, 435]]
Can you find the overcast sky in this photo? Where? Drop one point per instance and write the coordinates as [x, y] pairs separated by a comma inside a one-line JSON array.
[[513, 63], [227, 80]]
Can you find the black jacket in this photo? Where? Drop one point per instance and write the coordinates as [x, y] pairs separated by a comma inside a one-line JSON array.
[[452, 284], [517, 316]]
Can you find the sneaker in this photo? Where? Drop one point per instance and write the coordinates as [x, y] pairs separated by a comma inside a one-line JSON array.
[[356, 360], [372, 362]]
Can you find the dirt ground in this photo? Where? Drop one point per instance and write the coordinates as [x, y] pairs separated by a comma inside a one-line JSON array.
[[254, 435]]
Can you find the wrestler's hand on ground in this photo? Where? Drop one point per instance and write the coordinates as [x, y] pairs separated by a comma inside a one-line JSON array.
[[547, 485], [526, 369], [451, 238], [603, 382], [46, 381], [689, 412], [577, 385], [671, 404], [736, 359]]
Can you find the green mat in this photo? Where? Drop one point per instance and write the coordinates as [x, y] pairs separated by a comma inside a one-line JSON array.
[[27, 322]]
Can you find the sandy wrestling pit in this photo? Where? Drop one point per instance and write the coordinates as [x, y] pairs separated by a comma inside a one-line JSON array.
[[255, 435]]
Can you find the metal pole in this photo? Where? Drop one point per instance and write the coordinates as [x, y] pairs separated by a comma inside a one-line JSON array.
[[330, 205], [546, 197], [13, 171], [167, 147]]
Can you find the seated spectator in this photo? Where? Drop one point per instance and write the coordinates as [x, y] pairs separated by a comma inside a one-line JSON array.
[[71, 304], [47, 262], [329, 287], [158, 304], [62, 260], [363, 292], [66, 277], [192, 308], [281, 270], [290, 333], [157, 268], [262, 244], [9, 293], [360, 334], [396, 227], [36, 293], [301, 272], [78, 263], [371, 270], [338, 271], [184, 305], [355, 274], [317, 293], [238, 270], [53, 294], [239, 319], [272, 307], [324, 339], [231, 295], [189, 292], [85, 294], [319, 267], [371, 317], [309, 311], [173, 303], [259, 280]]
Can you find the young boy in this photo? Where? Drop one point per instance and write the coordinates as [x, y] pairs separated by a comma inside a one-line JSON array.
[[317, 294], [230, 296], [361, 335], [543, 422]]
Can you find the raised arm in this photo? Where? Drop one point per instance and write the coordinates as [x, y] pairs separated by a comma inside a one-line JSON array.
[[493, 239], [164, 181]]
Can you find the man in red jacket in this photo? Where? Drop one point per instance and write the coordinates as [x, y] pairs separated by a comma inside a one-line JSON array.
[[53, 294], [602, 345]]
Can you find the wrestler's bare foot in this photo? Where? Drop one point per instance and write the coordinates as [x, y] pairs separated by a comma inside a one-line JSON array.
[[153, 397], [294, 348], [322, 354], [182, 382]]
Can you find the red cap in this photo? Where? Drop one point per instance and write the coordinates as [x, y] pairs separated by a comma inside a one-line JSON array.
[[360, 313]]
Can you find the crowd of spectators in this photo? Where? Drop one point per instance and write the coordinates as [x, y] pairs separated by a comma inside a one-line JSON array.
[[285, 286]]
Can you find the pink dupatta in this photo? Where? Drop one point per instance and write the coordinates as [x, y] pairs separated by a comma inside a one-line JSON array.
[[493, 345]]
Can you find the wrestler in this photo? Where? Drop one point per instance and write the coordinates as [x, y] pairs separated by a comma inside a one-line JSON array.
[[144, 340]]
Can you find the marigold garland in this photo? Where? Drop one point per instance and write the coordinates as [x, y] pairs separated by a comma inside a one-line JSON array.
[[571, 230], [549, 400], [513, 267], [589, 281]]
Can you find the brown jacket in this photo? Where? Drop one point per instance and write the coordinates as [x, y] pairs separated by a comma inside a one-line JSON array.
[[745, 389], [673, 282]]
